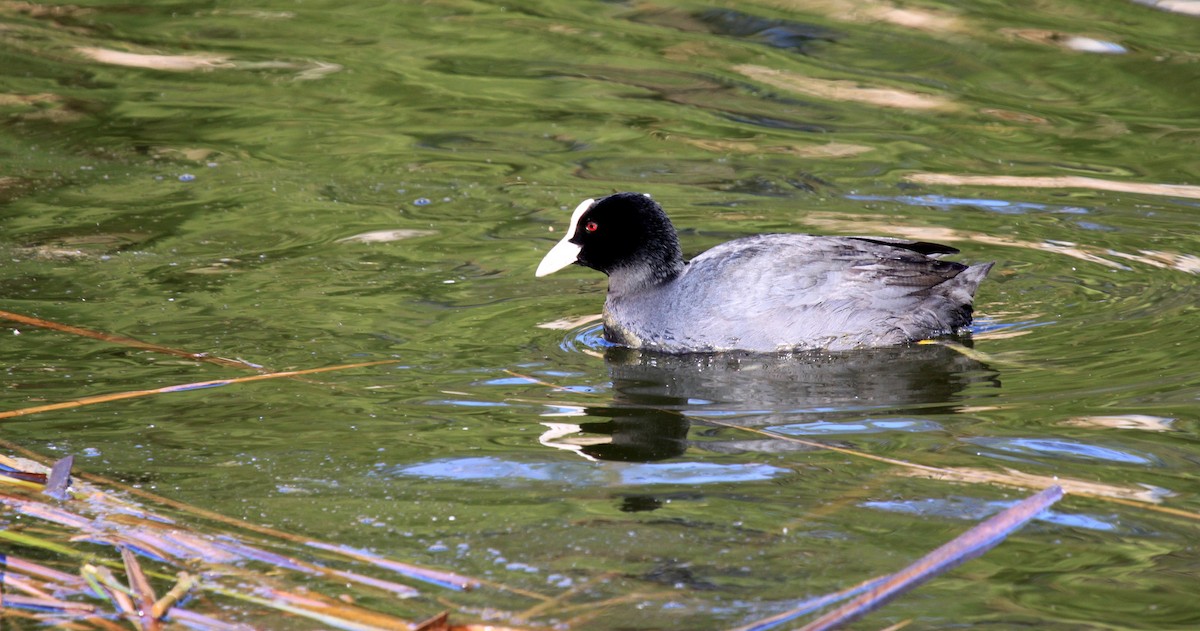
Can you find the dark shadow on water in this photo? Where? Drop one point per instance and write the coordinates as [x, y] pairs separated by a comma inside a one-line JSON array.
[[820, 396]]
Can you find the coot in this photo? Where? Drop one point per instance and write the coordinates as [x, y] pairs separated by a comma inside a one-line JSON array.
[[765, 293]]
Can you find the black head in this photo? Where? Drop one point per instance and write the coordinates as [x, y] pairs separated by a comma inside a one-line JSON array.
[[625, 230]]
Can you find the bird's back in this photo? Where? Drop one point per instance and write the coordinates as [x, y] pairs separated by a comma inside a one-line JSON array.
[[789, 291]]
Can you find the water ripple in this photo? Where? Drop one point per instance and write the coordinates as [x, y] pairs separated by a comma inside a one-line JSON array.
[[586, 338], [1059, 448], [977, 510], [1000, 206], [865, 426], [499, 470]]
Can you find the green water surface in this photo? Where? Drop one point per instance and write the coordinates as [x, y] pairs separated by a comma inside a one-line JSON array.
[[211, 209]]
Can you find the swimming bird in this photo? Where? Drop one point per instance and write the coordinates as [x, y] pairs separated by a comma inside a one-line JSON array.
[[764, 293]]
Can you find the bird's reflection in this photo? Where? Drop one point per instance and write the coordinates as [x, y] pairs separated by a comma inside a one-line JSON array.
[[657, 396]]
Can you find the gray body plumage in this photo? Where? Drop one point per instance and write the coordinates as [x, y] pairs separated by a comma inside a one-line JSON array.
[[779, 292]]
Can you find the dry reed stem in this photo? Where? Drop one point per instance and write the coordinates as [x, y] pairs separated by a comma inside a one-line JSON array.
[[122, 340], [1063, 181], [181, 588], [199, 385], [969, 545], [142, 589]]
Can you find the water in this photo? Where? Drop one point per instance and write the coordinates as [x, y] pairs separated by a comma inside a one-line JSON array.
[[212, 210]]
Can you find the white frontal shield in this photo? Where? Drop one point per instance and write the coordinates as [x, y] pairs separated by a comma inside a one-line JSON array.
[[564, 252]]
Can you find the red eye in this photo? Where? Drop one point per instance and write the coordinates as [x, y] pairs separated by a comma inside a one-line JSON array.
[[591, 226]]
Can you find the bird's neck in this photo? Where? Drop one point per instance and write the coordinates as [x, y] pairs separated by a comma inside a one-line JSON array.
[[637, 277]]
